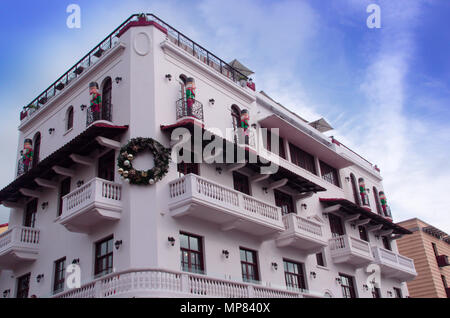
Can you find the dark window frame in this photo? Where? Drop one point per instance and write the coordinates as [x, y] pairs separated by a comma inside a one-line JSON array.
[[241, 183], [99, 268], [348, 286], [245, 264], [36, 148], [398, 292], [329, 173], [69, 121], [285, 202], [363, 234], [23, 285], [320, 259], [106, 166], [386, 243], [59, 275], [64, 189], [294, 280], [198, 266], [30, 215], [302, 159]]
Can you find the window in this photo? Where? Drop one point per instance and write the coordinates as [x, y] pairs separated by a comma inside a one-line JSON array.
[[240, 183], [268, 144], [106, 166], [329, 174], [398, 292], [444, 281], [335, 225], [29, 219], [249, 265], [285, 202], [376, 293], [235, 116], [106, 100], [435, 250], [377, 201], [23, 286], [104, 257], [293, 274], [191, 253], [362, 192], [302, 159], [320, 258], [363, 233], [386, 243], [348, 287], [187, 168], [355, 189], [69, 118], [64, 188], [37, 148], [59, 275]]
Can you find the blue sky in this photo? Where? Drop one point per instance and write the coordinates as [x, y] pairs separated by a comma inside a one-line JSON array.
[[386, 91]]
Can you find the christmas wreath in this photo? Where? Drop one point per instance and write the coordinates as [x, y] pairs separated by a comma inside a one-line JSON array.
[[129, 151]]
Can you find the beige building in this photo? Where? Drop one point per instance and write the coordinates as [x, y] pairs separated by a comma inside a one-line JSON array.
[[3, 228], [429, 247]]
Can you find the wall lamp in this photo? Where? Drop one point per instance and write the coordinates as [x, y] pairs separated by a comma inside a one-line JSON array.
[[265, 190], [44, 205], [83, 107], [169, 77], [80, 183], [226, 253], [389, 293], [313, 274], [117, 244], [368, 190], [274, 266], [338, 280], [39, 277], [118, 79], [304, 206], [365, 287], [347, 179], [219, 170], [76, 261], [51, 130], [6, 293], [212, 101], [171, 240]]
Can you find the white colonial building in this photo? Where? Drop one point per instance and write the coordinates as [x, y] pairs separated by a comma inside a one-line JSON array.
[[314, 227]]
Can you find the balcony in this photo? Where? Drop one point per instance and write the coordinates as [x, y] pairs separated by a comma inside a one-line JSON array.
[[105, 113], [97, 201], [18, 244], [442, 260], [394, 265], [183, 111], [348, 249], [198, 197], [301, 233], [174, 284]]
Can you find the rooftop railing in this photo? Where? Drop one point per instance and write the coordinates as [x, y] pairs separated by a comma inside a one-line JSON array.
[[110, 41]]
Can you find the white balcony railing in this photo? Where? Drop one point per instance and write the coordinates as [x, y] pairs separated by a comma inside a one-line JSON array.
[[305, 234], [95, 200], [393, 264], [18, 243], [346, 248], [223, 204], [167, 283]]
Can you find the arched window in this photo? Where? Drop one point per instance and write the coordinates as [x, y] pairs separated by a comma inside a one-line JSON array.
[[106, 99], [355, 189], [236, 119], [377, 201], [362, 192], [36, 148], [69, 118]]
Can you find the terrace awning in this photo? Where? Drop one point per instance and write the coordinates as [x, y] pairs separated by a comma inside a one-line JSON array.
[[82, 145], [349, 207]]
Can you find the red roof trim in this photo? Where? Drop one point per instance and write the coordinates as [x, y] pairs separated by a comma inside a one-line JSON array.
[[182, 123], [4, 225], [141, 22]]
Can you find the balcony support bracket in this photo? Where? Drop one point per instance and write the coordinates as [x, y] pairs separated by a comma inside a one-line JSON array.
[[386, 232], [82, 160], [46, 183], [277, 184], [351, 218], [361, 222], [30, 193], [64, 171], [236, 166], [108, 143], [259, 177], [333, 208], [13, 205], [375, 228]]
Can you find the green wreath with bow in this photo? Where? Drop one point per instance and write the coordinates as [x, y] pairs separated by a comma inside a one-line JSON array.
[[128, 153]]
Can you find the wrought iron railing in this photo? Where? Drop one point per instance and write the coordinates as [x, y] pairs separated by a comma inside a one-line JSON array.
[[22, 167], [183, 110], [387, 212], [110, 41], [105, 113]]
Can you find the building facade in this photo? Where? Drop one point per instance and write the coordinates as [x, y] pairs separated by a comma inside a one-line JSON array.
[[429, 247], [292, 214]]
